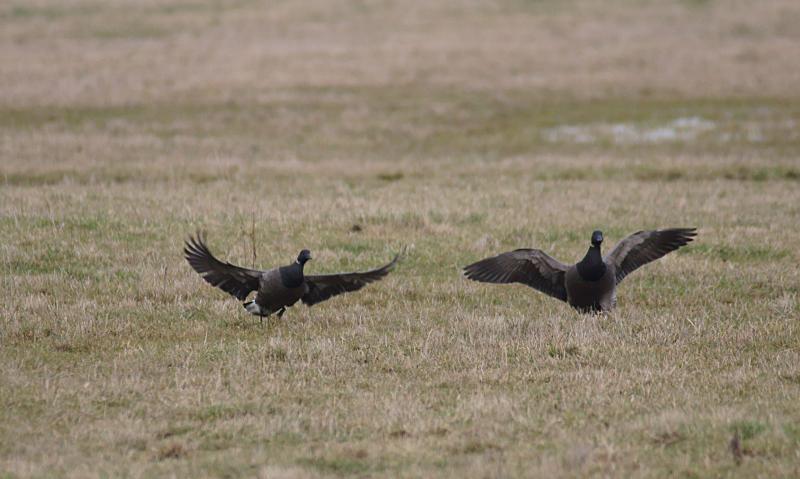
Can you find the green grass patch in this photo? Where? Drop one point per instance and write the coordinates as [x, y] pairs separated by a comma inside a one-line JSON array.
[[221, 412], [338, 465], [747, 429]]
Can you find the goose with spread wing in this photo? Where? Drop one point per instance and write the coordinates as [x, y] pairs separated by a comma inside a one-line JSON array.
[[591, 284], [278, 288]]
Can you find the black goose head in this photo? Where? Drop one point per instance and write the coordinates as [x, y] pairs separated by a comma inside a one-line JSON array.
[[597, 238], [304, 256]]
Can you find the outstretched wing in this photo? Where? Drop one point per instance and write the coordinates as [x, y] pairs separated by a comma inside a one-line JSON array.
[[530, 267], [643, 247], [325, 286], [232, 279]]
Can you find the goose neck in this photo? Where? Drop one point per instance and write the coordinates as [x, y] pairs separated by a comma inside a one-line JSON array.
[[592, 267], [292, 275]]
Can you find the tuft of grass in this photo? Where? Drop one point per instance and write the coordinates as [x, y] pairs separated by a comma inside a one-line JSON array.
[[748, 429], [557, 352], [792, 431], [344, 466], [172, 451], [389, 177], [220, 412], [173, 431]]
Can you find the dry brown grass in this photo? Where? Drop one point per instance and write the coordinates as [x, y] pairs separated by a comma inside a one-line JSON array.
[[127, 125], [82, 52]]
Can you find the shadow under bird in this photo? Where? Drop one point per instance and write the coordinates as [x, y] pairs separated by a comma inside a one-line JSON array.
[[591, 284], [278, 288]]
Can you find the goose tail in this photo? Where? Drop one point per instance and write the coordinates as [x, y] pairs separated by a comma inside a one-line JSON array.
[[252, 307]]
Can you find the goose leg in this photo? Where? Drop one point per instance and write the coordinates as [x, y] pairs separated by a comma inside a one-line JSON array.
[[281, 311]]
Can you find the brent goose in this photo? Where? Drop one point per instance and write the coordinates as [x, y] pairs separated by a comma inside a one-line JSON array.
[[277, 288], [591, 284]]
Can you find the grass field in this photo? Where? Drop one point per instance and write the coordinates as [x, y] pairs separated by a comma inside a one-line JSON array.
[[457, 129]]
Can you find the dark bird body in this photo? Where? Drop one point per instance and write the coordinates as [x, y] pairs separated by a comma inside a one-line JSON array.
[[278, 288], [589, 285]]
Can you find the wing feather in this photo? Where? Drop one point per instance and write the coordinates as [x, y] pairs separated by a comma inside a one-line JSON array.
[[232, 279], [643, 247], [325, 286], [531, 267]]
